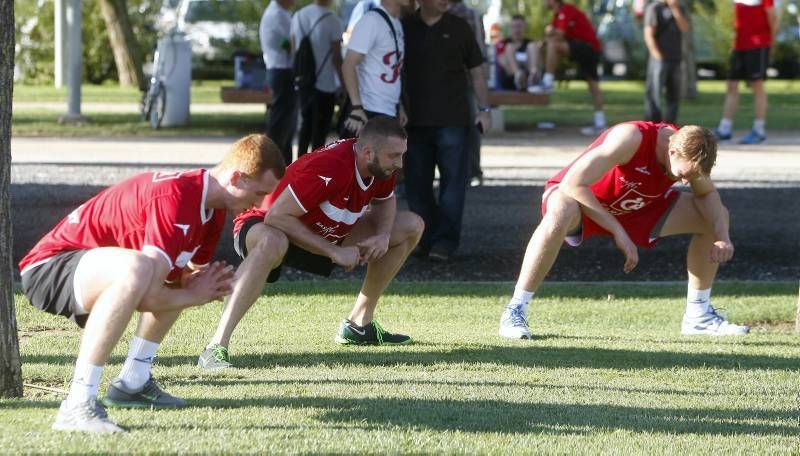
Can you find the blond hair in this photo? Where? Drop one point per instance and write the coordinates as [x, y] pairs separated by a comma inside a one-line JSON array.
[[253, 155], [697, 145]]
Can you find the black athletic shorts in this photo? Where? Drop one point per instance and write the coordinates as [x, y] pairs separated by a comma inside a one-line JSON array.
[[296, 257], [586, 57], [50, 286], [749, 65]]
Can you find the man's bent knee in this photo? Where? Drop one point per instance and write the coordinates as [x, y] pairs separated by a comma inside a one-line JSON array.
[[408, 225], [563, 213], [270, 246]]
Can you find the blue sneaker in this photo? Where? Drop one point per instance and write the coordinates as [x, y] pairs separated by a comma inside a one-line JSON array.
[[721, 136], [753, 138]]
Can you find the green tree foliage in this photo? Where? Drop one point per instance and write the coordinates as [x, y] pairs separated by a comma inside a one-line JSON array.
[[35, 33]]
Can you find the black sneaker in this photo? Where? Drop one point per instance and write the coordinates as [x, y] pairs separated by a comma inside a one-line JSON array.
[[371, 334], [148, 396]]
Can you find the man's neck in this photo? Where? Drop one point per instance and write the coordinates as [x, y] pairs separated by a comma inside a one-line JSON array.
[[215, 198], [284, 4], [392, 7], [431, 16], [662, 146]]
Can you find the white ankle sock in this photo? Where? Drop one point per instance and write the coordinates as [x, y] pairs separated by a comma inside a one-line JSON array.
[[759, 127], [521, 298], [136, 370], [547, 79], [725, 126], [599, 119], [85, 382], [697, 302]]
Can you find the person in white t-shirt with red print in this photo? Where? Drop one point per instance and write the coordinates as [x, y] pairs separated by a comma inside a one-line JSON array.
[[145, 245], [373, 64]]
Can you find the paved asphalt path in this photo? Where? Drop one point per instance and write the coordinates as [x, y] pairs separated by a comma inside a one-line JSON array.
[[759, 184]]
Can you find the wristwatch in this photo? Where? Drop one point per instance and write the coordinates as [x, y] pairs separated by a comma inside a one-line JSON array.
[[484, 109]]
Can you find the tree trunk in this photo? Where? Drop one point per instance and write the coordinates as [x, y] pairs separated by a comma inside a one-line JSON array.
[[123, 43], [797, 319], [10, 370]]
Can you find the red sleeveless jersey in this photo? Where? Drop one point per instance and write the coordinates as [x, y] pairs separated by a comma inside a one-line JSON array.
[[631, 186]]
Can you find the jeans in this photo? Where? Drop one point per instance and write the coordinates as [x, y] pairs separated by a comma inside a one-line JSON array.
[[429, 147], [282, 118], [473, 144], [662, 74], [315, 122]]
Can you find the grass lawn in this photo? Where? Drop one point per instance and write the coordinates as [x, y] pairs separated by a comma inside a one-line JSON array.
[[570, 106], [607, 373]]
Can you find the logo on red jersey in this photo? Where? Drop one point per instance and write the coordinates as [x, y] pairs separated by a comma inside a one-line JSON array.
[[184, 228], [630, 201]]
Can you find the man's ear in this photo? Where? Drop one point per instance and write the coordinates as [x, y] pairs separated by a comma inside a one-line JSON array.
[[236, 178]]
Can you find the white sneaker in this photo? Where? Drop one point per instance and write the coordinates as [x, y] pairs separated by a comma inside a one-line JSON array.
[[87, 416], [541, 89], [711, 324], [513, 324]]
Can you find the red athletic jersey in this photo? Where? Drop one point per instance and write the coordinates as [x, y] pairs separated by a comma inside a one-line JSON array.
[[637, 193], [160, 212], [631, 186], [575, 25], [752, 27], [327, 185]]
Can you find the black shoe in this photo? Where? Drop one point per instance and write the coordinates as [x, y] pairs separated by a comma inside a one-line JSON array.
[[370, 334]]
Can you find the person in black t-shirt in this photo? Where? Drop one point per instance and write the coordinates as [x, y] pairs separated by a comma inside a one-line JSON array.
[[440, 50], [664, 22]]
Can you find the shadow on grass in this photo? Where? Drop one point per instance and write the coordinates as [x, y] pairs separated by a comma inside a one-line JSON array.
[[511, 417], [227, 382], [531, 356]]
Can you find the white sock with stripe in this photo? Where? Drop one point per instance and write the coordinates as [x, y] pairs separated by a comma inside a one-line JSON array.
[[136, 370]]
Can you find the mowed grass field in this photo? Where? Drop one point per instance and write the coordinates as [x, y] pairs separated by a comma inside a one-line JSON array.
[[570, 106], [606, 373]]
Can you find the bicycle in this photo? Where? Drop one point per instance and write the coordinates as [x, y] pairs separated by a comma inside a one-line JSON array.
[[154, 100]]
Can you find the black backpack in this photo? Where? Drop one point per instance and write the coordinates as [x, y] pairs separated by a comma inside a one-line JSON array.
[[305, 66]]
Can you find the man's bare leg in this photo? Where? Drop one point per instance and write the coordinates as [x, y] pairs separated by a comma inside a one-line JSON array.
[[597, 100], [563, 216], [725, 127], [557, 48], [406, 233], [760, 105], [266, 247], [110, 295], [700, 317]]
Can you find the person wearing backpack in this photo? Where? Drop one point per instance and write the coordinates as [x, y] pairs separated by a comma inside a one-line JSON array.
[[317, 42], [372, 66]]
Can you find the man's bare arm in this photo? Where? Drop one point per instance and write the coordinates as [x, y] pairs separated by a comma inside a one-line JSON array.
[[285, 215]]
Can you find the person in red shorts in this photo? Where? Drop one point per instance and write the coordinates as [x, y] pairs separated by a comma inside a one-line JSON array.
[[336, 206], [145, 245], [621, 187], [756, 24], [571, 34]]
